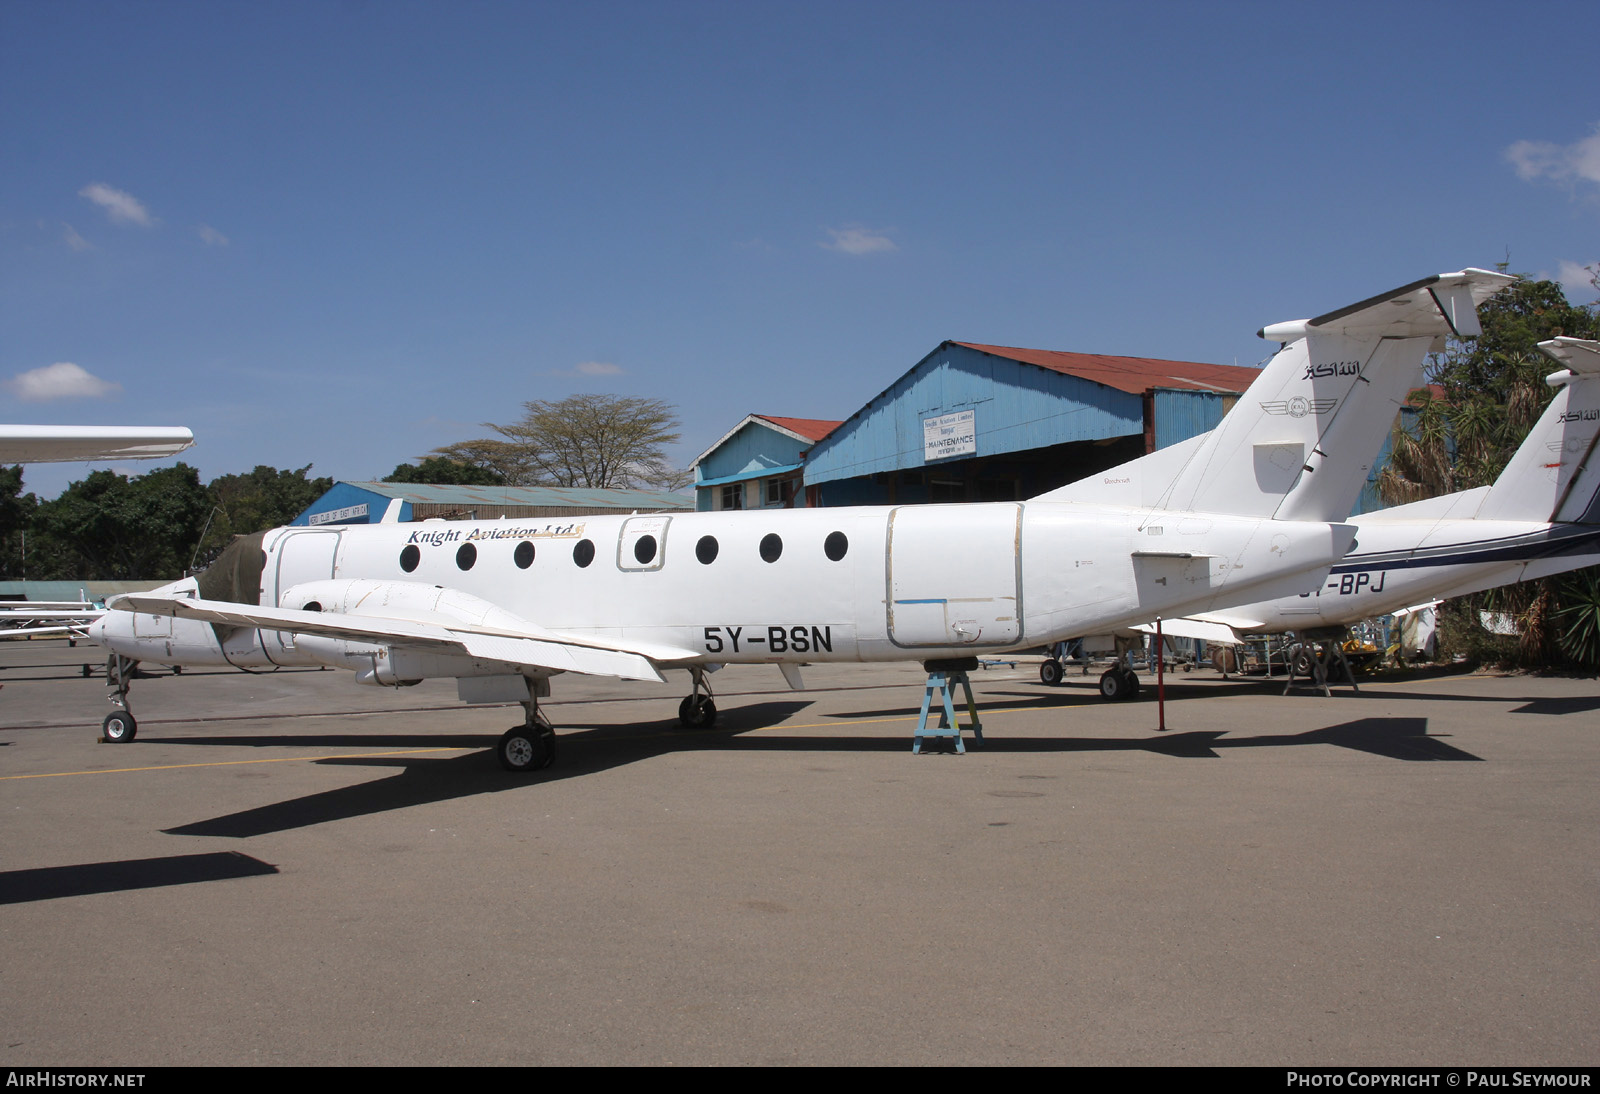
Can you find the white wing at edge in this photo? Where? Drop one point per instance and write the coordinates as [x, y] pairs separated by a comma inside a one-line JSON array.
[[72, 443], [538, 649]]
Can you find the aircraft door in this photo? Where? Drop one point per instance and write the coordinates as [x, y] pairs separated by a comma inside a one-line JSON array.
[[642, 544], [955, 575], [304, 556]]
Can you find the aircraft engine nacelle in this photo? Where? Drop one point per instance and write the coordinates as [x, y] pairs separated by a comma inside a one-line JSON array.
[[409, 600]]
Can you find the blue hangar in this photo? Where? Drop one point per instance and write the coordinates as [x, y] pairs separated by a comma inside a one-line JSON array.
[[972, 422]]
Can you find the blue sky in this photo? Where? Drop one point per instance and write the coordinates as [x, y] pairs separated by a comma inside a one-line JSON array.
[[346, 233]]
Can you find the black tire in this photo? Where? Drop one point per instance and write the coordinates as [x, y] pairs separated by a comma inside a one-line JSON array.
[[1051, 672], [524, 750], [1113, 685], [697, 712], [118, 728], [1132, 682]]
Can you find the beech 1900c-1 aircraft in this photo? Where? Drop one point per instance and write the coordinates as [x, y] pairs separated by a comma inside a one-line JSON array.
[[1252, 510], [1540, 517]]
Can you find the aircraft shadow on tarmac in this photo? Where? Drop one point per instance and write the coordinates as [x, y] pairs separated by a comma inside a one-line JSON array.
[[421, 780], [54, 882]]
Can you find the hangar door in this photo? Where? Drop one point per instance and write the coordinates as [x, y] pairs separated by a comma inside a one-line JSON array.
[[955, 575]]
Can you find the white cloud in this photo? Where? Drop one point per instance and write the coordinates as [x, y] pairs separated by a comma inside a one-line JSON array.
[[853, 239], [72, 239], [1561, 162], [588, 368], [62, 380], [121, 206], [212, 237], [1575, 280]]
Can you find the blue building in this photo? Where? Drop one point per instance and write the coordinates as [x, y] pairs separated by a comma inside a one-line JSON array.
[[973, 422], [757, 464], [367, 502]]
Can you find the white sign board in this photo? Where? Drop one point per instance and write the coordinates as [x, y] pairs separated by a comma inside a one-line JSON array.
[[337, 516], [950, 435]]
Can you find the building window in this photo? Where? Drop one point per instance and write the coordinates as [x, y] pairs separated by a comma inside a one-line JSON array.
[[733, 496], [777, 493]]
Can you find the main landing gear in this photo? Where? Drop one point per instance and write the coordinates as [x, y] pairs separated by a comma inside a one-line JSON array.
[[1118, 682], [119, 726], [530, 746], [698, 711]]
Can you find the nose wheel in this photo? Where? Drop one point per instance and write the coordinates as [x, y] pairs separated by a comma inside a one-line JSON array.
[[118, 728]]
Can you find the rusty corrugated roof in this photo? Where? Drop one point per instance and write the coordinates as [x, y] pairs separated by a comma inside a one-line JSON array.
[[1134, 375], [812, 429]]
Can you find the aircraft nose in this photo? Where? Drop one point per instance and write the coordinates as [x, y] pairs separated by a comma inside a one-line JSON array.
[[97, 631]]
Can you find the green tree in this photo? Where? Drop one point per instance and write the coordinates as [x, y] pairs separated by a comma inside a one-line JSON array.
[[594, 441], [439, 469], [109, 527], [16, 513], [263, 498]]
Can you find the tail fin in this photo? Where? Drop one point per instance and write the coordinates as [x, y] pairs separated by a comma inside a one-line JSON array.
[[1554, 476], [1299, 443]]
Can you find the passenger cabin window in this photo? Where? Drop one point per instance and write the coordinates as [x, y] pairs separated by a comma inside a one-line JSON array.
[[466, 555], [771, 547], [410, 557], [523, 556], [835, 546], [583, 552], [706, 550]]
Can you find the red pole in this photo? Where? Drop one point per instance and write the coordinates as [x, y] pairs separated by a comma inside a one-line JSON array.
[[1161, 682]]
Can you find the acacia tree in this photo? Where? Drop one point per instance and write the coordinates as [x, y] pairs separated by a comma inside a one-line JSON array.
[[1493, 393], [594, 441]]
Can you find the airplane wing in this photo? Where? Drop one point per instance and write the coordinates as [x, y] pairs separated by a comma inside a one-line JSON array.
[[71, 443], [534, 647], [1442, 304]]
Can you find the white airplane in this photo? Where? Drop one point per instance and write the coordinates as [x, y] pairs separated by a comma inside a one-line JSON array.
[[74, 443], [1540, 517], [1252, 510]]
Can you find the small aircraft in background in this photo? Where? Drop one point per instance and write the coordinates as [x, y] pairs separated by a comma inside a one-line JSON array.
[[1256, 509], [1540, 517]]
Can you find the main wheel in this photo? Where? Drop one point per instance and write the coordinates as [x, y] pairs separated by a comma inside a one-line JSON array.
[[522, 749], [1050, 672], [118, 728], [697, 712], [1113, 685]]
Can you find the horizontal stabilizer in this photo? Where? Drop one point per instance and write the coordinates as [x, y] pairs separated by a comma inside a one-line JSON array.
[[1444, 304], [1580, 355], [1216, 633]]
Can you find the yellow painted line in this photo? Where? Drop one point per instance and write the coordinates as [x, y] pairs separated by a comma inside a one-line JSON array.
[[236, 763]]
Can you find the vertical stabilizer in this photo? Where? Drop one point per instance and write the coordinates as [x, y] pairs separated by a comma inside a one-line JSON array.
[[1554, 475]]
